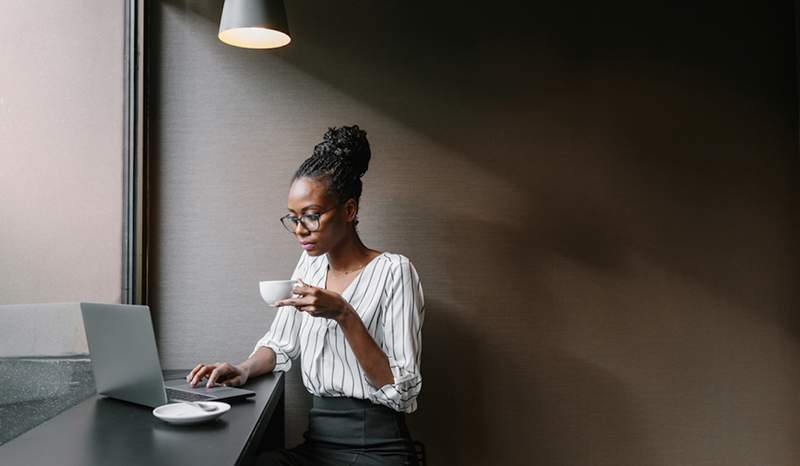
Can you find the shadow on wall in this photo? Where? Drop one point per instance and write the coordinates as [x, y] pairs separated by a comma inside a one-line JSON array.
[[605, 145]]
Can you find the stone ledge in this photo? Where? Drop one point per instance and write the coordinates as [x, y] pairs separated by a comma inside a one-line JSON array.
[[33, 390]]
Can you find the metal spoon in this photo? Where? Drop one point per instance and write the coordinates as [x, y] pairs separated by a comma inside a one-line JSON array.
[[202, 406]]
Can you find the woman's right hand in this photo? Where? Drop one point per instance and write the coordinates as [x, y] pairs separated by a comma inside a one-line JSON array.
[[219, 372]]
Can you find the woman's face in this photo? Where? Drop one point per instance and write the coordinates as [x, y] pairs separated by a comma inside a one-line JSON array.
[[310, 196]]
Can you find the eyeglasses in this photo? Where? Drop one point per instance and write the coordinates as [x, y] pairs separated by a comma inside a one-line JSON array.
[[309, 221]]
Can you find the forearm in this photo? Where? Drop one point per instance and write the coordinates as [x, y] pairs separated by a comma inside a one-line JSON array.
[[370, 356], [261, 362]]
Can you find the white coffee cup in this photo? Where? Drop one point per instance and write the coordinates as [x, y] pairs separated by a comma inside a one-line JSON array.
[[275, 290]]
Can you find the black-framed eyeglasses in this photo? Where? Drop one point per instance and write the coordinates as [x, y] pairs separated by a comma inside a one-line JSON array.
[[309, 221]]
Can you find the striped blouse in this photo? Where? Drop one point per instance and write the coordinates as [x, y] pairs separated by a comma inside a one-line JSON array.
[[387, 295]]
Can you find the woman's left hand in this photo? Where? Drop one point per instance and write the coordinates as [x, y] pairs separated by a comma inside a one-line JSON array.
[[317, 302]]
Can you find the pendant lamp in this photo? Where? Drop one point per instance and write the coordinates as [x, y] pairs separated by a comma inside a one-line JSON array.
[[254, 24]]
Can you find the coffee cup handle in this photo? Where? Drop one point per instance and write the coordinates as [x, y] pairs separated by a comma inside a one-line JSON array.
[[297, 283]]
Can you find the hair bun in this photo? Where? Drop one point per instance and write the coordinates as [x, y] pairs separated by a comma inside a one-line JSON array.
[[349, 144]]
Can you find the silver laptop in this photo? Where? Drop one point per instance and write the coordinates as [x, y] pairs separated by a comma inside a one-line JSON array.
[[125, 361]]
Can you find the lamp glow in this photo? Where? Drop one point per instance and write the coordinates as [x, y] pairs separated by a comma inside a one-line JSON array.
[[254, 38]]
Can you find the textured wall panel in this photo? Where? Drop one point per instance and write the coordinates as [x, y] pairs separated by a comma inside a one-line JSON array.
[[598, 197]]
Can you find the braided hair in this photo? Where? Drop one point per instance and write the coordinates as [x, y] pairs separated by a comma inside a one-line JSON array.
[[340, 160]]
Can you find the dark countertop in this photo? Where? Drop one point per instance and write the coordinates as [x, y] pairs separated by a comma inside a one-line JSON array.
[[104, 431]]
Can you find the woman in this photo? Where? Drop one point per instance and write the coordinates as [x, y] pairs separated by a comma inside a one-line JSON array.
[[355, 323]]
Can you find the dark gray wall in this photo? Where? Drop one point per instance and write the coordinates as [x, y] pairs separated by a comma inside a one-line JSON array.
[[600, 198]]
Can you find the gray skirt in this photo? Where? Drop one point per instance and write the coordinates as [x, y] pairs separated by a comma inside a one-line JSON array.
[[349, 431]]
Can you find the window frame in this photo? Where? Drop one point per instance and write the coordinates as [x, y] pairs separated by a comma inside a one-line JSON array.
[[134, 244]]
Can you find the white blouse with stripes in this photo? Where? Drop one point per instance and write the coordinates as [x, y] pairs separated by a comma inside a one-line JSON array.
[[387, 295]]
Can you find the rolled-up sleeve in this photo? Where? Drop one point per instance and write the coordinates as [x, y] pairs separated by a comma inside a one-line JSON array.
[[403, 315], [283, 334]]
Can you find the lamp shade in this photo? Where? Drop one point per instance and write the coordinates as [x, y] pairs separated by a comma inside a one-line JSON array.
[[254, 24]]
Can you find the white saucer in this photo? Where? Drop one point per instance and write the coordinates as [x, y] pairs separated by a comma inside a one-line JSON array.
[[183, 414]]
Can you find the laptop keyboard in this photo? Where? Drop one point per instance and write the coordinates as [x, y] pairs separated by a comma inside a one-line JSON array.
[[173, 394]]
